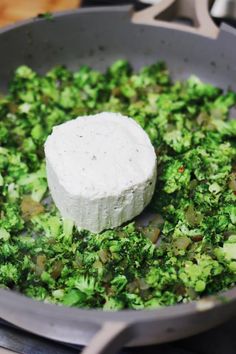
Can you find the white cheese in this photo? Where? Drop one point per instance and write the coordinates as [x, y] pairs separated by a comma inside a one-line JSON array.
[[101, 170]]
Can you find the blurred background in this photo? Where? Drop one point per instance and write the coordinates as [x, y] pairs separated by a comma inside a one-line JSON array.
[[12, 11], [18, 10]]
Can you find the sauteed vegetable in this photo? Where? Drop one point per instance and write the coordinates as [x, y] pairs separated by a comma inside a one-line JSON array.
[[187, 251]]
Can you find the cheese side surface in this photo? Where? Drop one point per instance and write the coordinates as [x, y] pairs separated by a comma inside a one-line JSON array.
[[101, 170]]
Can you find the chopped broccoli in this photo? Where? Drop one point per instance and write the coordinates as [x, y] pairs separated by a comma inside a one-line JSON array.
[[45, 257]]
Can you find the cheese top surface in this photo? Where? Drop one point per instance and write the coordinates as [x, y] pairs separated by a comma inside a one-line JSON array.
[[100, 155]]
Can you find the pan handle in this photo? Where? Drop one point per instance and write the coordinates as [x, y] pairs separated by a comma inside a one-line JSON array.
[[169, 13], [110, 338]]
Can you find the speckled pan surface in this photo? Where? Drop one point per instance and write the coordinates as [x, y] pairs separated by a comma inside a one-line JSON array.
[[98, 37]]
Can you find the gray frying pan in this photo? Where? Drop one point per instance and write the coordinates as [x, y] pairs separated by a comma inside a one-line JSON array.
[[97, 37]]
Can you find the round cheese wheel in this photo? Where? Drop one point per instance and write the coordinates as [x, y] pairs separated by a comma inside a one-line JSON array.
[[101, 170]]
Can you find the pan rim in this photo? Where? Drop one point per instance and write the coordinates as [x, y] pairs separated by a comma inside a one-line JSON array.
[[96, 316]]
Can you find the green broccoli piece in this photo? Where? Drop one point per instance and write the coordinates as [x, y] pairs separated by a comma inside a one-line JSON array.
[[175, 176]]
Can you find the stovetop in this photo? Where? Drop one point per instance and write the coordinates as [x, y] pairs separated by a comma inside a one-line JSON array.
[[221, 340]]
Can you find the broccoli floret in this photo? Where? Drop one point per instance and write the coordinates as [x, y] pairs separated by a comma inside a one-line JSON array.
[[8, 273], [11, 219], [175, 176], [179, 140]]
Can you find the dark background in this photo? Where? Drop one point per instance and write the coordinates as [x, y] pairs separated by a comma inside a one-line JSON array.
[[137, 4]]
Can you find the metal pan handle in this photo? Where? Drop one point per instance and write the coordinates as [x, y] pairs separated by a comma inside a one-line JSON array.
[[111, 337], [166, 13]]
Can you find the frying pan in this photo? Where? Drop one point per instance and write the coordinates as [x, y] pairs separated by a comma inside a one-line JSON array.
[[97, 37]]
